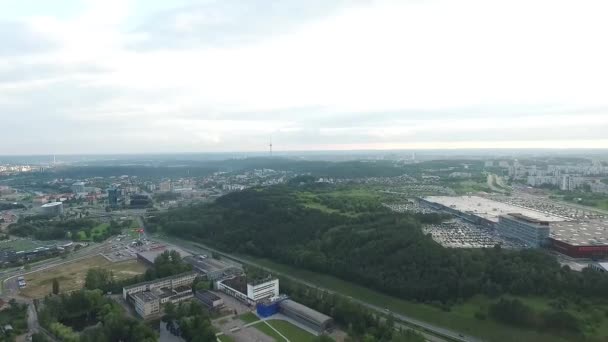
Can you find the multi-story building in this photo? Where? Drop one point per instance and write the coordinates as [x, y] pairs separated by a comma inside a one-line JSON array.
[[146, 304], [262, 288], [249, 291], [532, 232], [79, 188], [164, 186], [148, 297], [114, 195]]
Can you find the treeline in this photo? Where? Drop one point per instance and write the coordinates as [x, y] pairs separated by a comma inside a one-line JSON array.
[[515, 312], [166, 264], [10, 206], [88, 316], [41, 228], [80, 172], [382, 250], [189, 321], [359, 322], [15, 315]]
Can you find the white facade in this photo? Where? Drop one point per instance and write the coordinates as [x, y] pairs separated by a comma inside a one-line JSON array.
[[263, 290], [146, 306], [169, 282], [255, 291]]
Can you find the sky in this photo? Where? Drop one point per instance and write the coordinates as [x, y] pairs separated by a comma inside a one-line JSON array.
[[154, 76]]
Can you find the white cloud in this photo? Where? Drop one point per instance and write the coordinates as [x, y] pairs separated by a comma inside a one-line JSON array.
[[384, 73]]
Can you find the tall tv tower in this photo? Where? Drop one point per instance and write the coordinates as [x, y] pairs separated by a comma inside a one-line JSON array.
[[270, 145]]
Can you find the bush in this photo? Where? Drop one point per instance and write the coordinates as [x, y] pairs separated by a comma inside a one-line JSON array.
[[480, 316]]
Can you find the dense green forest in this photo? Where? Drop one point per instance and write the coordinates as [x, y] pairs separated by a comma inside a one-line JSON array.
[[42, 228], [9, 206], [352, 236], [89, 316]]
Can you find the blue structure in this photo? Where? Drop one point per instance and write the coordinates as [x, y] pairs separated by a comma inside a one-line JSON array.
[[267, 309]]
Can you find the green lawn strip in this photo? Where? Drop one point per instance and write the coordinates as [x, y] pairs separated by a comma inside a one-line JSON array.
[[248, 317], [261, 326], [19, 245], [293, 333], [460, 318], [225, 338], [101, 229]]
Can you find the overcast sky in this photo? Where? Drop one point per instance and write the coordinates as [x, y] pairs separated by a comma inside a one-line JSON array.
[[82, 76]]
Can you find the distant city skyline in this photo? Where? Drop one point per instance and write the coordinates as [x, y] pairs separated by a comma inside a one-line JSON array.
[[137, 76]]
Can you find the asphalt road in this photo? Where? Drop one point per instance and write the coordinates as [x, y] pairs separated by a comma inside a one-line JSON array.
[[9, 277], [451, 334]]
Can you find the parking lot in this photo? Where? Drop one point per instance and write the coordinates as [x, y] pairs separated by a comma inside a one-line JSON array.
[[459, 234], [546, 205], [125, 247]]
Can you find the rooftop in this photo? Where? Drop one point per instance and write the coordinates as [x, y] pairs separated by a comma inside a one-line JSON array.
[[521, 217], [146, 296], [581, 233], [207, 265], [489, 209], [304, 311], [151, 255], [207, 295], [238, 283], [185, 274], [52, 204]]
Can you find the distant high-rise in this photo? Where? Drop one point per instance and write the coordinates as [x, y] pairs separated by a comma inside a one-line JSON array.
[[113, 196]]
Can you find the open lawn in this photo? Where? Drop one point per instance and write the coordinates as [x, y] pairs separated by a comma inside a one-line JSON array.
[[71, 276], [293, 333], [267, 330], [225, 338], [23, 244], [460, 318], [100, 230], [249, 317]]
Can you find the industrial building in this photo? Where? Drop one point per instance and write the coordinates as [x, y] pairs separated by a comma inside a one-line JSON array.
[[599, 266], [209, 299], [586, 238], [531, 232], [249, 291], [305, 315], [52, 209], [483, 211], [213, 269], [582, 239], [148, 297], [148, 257]]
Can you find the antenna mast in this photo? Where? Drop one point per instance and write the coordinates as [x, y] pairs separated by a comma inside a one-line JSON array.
[[270, 145]]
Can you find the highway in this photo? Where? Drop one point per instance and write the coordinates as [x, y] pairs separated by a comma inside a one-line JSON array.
[[196, 248]]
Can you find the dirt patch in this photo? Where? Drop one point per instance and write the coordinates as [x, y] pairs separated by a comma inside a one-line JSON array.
[[71, 276]]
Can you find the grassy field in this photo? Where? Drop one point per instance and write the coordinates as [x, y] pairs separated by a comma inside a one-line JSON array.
[[293, 333], [460, 318], [100, 230], [71, 276], [362, 195], [23, 244], [249, 317], [264, 328], [225, 338]]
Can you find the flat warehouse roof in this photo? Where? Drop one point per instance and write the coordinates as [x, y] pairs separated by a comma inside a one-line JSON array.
[[583, 233], [303, 310], [489, 209]]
